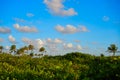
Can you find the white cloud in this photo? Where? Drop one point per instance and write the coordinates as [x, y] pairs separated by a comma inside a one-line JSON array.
[[68, 46], [58, 40], [106, 18], [70, 29], [26, 40], [78, 47], [25, 28], [72, 47], [54, 41], [29, 15], [11, 39], [56, 7], [83, 28], [39, 43], [49, 40], [1, 39], [4, 30]]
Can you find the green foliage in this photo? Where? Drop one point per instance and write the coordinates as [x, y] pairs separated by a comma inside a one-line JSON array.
[[1, 48], [113, 49], [42, 49], [13, 48], [72, 66]]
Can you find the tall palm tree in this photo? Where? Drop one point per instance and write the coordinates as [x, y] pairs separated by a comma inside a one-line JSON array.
[[42, 49], [21, 50], [31, 47], [13, 48], [26, 48], [1, 49], [112, 49]]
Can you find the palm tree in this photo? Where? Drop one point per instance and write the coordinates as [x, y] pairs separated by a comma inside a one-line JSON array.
[[13, 48], [1, 48], [42, 49], [26, 48], [112, 49], [31, 47], [20, 51]]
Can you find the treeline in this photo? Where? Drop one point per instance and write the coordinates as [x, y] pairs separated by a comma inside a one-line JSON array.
[[30, 50], [26, 49], [72, 66]]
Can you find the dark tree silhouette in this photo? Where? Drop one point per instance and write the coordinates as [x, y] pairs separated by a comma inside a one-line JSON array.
[[1, 49], [13, 48], [112, 49], [31, 47]]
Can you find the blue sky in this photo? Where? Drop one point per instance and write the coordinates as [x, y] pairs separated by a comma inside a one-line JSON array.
[[61, 25]]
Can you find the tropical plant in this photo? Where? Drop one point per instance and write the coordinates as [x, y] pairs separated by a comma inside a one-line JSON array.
[[1, 49], [42, 49], [20, 51], [26, 48], [31, 47], [112, 49], [13, 48]]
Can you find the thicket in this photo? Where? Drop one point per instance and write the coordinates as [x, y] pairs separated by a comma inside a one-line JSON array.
[[72, 66]]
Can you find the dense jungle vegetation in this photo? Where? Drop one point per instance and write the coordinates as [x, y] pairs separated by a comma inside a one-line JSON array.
[[72, 66]]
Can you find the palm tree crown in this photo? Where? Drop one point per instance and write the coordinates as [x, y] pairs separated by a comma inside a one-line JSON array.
[[113, 49], [1, 48]]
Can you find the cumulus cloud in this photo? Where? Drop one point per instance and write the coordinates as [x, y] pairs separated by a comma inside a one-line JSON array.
[[29, 15], [25, 28], [53, 45], [56, 7], [54, 41], [4, 30], [68, 46], [78, 47], [106, 18], [70, 29], [11, 39]]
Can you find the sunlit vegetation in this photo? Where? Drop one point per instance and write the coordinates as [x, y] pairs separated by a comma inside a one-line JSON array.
[[72, 66]]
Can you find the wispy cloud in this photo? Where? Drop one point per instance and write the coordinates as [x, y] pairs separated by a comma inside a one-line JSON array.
[[77, 41], [56, 7], [19, 20], [26, 29], [11, 39], [106, 18], [1, 21], [70, 29], [29, 14], [4, 30]]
